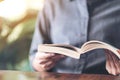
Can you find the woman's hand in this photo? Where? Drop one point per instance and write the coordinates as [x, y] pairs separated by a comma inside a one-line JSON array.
[[45, 61], [112, 63]]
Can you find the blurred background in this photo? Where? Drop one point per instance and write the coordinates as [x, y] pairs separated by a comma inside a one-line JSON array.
[[17, 20]]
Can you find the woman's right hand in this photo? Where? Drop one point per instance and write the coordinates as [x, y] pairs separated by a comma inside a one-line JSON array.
[[45, 61]]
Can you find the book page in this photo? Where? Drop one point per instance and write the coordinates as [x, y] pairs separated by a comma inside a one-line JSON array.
[[75, 52], [94, 44], [63, 49]]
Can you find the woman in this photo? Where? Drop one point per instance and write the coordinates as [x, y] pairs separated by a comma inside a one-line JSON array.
[[75, 22]]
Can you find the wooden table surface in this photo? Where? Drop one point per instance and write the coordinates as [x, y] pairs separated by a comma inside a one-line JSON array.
[[21, 75]]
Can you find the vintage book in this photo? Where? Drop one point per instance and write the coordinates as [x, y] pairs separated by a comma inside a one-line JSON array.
[[75, 52]]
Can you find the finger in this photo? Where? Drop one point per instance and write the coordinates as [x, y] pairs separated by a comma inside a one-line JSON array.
[[41, 55], [48, 65], [116, 63], [57, 57], [37, 66], [43, 61], [112, 64], [54, 59], [108, 65]]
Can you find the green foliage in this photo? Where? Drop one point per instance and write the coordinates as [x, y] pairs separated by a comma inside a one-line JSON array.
[[14, 55]]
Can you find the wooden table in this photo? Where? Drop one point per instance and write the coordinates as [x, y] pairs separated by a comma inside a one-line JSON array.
[[20, 75]]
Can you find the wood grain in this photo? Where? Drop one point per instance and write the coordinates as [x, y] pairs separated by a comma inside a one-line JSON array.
[[21, 75]]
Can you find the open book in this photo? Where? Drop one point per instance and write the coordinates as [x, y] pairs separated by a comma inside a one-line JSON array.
[[75, 52]]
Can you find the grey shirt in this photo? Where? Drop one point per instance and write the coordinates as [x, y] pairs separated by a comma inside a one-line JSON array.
[[74, 22]]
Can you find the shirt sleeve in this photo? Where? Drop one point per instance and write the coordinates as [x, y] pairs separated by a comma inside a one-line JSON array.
[[41, 33]]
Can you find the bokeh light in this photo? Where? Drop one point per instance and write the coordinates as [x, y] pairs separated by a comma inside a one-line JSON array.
[[1, 0], [17, 21], [15, 9], [12, 9]]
